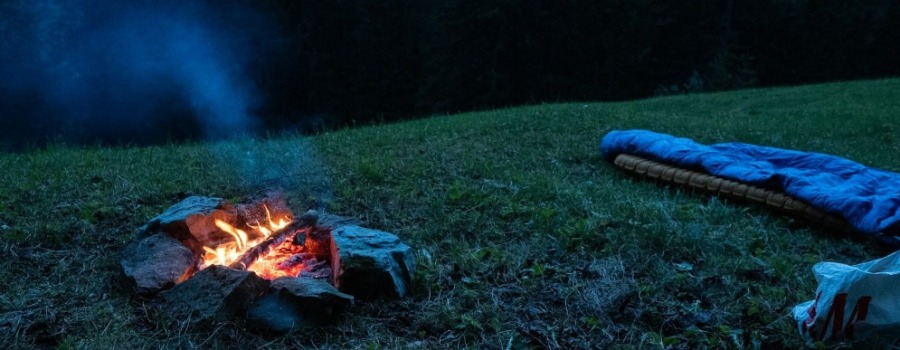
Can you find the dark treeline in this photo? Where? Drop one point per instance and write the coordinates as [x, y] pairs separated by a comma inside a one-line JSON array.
[[147, 70], [358, 60]]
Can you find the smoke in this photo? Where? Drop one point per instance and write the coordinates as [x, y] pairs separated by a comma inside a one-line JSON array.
[[289, 164], [128, 71]]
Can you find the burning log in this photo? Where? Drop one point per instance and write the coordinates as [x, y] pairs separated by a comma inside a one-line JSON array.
[[248, 257], [300, 227]]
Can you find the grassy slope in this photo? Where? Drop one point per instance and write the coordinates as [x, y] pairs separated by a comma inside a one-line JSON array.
[[525, 236]]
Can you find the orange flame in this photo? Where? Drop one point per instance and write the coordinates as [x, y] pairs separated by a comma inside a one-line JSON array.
[[228, 252]]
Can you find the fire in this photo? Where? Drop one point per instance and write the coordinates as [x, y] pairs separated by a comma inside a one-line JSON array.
[[285, 259], [226, 253]]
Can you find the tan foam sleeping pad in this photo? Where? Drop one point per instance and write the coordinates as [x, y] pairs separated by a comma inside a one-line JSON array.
[[728, 188]]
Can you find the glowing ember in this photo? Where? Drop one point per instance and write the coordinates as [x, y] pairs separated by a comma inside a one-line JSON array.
[[226, 253], [286, 259]]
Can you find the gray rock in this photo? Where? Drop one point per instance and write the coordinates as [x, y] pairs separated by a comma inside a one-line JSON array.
[[216, 293], [309, 218], [156, 263], [372, 263], [297, 303], [192, 221], [334, 221]]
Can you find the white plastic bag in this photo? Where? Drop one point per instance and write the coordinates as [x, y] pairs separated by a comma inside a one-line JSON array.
[[853, 302]]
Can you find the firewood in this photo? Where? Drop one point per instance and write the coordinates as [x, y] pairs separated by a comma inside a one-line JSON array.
[[277, 237]]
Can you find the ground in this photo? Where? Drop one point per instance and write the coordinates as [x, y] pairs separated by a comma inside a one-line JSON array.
[[525, 237]]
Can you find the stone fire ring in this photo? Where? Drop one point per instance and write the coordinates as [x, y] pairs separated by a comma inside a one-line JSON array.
[[163, 264]]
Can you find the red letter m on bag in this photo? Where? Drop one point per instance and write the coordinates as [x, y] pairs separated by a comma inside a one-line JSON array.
[[835, 317]]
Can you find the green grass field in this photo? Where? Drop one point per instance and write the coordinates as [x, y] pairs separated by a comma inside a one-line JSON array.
[[525, 237]]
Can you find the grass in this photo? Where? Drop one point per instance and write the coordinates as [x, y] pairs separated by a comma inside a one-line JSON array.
[[525, 237]]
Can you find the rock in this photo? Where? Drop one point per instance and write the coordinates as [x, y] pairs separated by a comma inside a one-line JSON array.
[[192, 221], [372, 263], [297, 303], [216, 293], [259, 211], [157, 263], [334, 221], [309, 219]]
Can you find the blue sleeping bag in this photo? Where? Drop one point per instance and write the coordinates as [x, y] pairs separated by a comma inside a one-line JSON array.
[[868, 198]]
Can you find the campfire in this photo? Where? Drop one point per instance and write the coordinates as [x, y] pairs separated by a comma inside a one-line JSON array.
[[274, 248], [207, 259], [227, 253]]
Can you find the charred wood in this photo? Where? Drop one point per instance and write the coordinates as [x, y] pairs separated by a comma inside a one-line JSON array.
[[277, 237]]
